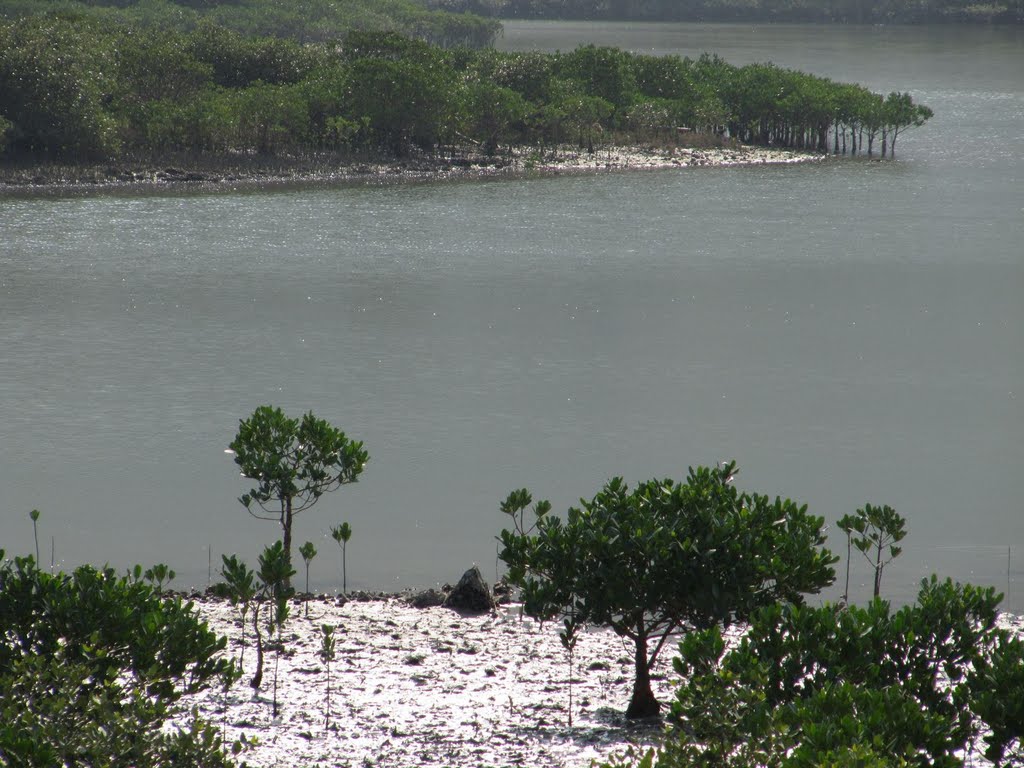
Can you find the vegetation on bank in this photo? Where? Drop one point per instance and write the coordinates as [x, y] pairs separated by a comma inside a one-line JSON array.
[[804, 687], [76, 89], [808, 11]]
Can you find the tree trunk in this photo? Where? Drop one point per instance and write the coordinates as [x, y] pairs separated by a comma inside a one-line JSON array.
[[878, 571], [286, 524], [643, 703], [257, 679], [846, 590]]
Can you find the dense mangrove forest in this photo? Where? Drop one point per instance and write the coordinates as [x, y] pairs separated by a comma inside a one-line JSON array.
[[80, 87]]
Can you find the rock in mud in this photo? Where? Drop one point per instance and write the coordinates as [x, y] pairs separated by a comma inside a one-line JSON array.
[[471, 594], [428, 598]]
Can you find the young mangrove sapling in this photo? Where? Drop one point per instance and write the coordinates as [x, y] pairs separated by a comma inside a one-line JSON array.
[[275, 587], [34, 515], [308, 552], [240, 589], [293, 462], [341, 534], [846, 525], [878, 528]]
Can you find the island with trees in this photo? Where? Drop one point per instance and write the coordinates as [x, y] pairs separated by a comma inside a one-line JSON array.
[[160, 83]]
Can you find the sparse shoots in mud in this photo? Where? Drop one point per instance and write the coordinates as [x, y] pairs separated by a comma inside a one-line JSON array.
[[326, 653], [569, 635], [341, 534]]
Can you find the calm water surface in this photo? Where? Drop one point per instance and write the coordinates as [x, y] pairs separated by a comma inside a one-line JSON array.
[[851, 332]]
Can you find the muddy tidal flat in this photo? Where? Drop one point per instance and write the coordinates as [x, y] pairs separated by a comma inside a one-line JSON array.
[[428, 687], [431, 687]]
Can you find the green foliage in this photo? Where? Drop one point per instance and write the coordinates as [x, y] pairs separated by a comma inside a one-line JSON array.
[[341, 533], [55, 79], [495, 115], [91, 667], [158, 575], [405, 102], [898, 113], [294, 462], [878, 529], [308, 552], [820, 686], [662, 558], [301, 21], [998, 700], [604, 73]]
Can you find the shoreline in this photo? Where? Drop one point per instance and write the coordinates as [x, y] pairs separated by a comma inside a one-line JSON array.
[[230, 174]]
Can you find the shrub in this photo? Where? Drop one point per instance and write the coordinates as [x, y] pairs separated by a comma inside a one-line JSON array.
[[91, 668], [810, 686]]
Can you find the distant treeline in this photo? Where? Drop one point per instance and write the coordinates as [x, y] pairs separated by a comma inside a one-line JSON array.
[[300, 20], [817, 11], [78, 89]]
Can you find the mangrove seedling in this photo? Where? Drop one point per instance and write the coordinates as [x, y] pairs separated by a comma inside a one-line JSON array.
[[308, 552], [326, 653], [239, 588], [569, 635], [293, 462], [274, 588], [34, 515], [341, 534]]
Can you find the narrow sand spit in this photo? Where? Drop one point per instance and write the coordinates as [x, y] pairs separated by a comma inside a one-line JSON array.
[[633, 158], [228, 172], [429, 687]]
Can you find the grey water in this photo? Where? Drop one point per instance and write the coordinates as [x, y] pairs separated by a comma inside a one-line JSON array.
[[850, 332]]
